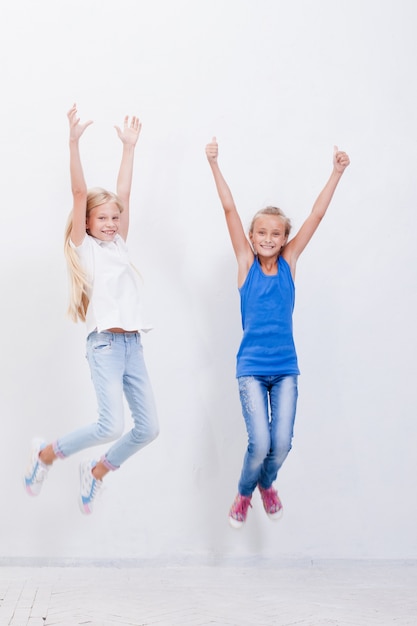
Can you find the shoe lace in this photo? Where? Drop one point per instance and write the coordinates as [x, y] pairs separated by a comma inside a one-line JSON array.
[[97, 486], [271, 500], [91, 485], [41, 473], [241, 505]]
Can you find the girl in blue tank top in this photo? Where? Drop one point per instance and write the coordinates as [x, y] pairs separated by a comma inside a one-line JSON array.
[[267, 368]]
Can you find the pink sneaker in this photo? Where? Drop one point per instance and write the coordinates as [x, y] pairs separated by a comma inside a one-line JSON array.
[[272, 503], [239, 511]]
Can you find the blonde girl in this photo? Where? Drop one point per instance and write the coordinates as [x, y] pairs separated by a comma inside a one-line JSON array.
[[267, 368], [106, 295]]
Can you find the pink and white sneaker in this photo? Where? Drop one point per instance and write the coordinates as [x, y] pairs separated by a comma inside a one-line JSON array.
[[36, 471], [239, 511], [90, 487], [272, 504]]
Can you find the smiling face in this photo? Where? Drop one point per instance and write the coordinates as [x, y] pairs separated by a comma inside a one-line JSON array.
[[268, 235], [103, 221]]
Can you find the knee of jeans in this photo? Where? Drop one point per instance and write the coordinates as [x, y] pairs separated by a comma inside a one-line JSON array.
[[259, 450], [145, 436], [109, 432], [152, 433], [281, 452]]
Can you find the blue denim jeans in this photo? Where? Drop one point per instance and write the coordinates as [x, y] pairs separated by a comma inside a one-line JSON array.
[[268, 406], [117, 367]]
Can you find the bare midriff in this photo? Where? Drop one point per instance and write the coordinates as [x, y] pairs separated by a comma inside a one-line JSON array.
[[120, 330]]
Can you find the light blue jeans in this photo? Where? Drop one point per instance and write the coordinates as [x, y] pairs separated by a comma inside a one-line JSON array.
[[268, 405], [117, 366]]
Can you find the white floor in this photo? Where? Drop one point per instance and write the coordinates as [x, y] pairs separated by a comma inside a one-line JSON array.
[[322, 593]]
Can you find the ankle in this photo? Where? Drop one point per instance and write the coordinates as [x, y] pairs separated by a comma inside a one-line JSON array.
[[47, 455], [99, 471]]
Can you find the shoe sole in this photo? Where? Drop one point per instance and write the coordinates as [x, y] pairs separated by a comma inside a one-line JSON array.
[[234, 523], [276, 516]]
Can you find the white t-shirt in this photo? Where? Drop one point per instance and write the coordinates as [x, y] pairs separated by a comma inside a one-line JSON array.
[[115, 287]]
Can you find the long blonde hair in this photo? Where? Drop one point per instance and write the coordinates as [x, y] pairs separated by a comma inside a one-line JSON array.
[[78, 283]]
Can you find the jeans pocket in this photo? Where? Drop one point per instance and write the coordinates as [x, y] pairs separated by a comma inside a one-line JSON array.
[[102, 347], [101, 343]]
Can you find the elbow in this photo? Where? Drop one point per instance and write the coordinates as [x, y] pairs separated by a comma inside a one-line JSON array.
[[318, 213], [79, 193]]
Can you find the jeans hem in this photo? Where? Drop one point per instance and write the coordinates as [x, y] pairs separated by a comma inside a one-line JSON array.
[[57, 451], [109, 465]]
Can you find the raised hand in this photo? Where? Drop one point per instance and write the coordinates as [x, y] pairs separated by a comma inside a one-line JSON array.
[[76, 128], [129, 134], [340, 160], [212, 151]]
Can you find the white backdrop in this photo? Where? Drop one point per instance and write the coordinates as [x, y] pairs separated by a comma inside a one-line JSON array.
[[278, 83]]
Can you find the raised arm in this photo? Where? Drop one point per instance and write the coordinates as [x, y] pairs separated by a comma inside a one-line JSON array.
[[128, 136], [240, 243], [78, 185], [295, 247]]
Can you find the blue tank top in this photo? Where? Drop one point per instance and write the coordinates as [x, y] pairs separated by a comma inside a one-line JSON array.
[[267, 304]]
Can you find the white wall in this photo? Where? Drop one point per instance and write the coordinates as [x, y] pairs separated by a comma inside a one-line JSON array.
[[278, 83]]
